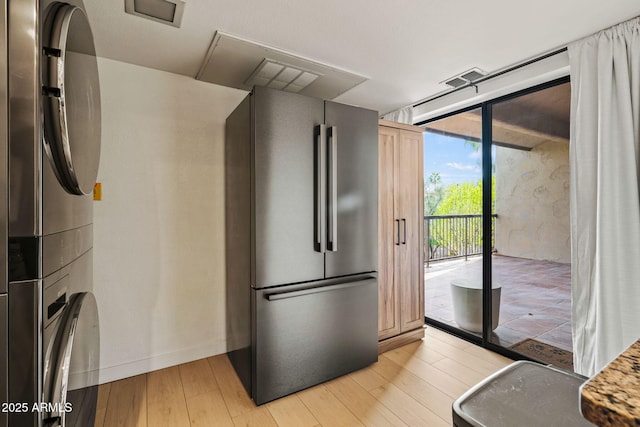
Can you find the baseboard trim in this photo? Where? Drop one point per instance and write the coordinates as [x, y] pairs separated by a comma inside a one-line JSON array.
[[400, 340], [160, 361]]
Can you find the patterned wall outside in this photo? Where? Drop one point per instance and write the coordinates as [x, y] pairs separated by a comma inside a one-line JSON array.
[[532, 202]]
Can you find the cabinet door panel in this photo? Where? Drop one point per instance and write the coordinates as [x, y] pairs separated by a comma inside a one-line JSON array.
[[408, 209], [388, 295]]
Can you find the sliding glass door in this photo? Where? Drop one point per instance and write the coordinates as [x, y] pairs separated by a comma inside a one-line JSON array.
[[497, 269], [453, 221], [531, 260]]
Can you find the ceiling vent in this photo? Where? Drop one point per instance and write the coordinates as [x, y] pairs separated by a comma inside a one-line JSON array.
[[281, 76], [164, 11], [241, 64], [465, 78]]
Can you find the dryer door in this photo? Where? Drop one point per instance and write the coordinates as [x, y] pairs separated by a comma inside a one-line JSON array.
[[71, 98], [71, 391]]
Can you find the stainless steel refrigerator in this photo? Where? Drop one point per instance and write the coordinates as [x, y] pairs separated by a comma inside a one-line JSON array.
[[301, 178]]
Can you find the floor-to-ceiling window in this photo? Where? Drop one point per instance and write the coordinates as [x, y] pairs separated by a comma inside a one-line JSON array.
[[516, 281]]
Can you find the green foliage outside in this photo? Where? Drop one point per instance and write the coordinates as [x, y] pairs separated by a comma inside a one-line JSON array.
[[461, 199], [455, 199]]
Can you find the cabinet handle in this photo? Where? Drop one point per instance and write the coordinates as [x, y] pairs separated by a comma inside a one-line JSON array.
[[404, 223], [398, 232]]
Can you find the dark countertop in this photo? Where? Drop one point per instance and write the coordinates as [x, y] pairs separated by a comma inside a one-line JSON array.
[[612, 397]]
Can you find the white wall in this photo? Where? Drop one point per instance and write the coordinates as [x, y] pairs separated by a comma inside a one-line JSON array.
[[159, 273]]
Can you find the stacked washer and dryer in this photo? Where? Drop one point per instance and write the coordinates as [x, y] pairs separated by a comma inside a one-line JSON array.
[[50, 150]]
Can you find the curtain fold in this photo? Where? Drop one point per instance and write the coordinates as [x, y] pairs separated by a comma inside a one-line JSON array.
[[401, 115], [605, 194]]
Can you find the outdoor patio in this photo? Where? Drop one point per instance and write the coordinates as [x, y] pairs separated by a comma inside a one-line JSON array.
[[535, 301]]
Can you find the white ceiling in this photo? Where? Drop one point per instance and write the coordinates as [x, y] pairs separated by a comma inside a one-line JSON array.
[[405, 47]]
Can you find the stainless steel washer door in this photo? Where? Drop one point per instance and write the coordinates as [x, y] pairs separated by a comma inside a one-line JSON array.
[[71, 98], [71, 380]]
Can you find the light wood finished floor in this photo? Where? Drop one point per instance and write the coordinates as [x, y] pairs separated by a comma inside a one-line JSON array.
[[414, 385]]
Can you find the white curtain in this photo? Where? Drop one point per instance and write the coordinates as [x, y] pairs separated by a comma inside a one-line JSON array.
[[605, 194], [402, 115]]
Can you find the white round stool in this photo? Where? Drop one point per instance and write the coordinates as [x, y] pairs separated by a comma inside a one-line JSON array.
[[467, 304]]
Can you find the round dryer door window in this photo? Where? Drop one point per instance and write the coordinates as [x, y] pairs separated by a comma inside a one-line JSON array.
[[71, 98]]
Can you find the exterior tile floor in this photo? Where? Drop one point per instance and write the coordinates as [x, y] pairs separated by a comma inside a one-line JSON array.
[[535, 300]]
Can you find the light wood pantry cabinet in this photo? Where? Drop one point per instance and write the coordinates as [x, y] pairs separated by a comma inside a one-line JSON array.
[[400, 228]]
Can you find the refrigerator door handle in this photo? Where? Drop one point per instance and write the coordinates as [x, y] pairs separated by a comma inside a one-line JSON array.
[[323, 288], [398, 232], [332, 182], [320, 188]]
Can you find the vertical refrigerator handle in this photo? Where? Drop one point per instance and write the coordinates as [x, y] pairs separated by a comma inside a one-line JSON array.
[[398, 229], [332, 182], [320, 188]]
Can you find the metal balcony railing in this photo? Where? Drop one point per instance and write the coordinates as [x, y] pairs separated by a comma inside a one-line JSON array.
[[454, 236]]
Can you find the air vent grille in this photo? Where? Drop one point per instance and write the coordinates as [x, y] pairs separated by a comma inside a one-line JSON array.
[[465, 77], [278, 75], [472, 75], [456, 82]]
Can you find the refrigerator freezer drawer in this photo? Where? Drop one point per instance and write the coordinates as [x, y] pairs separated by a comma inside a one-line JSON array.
[[305, 336]]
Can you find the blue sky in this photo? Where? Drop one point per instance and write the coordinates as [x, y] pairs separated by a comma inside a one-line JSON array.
[[455, 161]]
